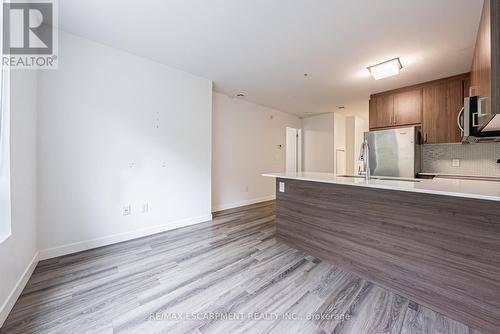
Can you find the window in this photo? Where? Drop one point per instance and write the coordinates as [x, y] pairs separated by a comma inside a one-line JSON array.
[[5, 207]]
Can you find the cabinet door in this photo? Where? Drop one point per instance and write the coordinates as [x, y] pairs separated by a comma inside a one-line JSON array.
[[481, 74], [441, 105], [455, 102], [434, 105], [381, 111], [466, 83], [408, 107]]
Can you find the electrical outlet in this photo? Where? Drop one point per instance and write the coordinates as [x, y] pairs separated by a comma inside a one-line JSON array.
[[145, 208], [455, 163], [282, 187], [126, 210]]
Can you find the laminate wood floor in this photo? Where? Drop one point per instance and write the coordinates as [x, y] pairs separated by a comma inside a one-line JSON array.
[[228, 275]]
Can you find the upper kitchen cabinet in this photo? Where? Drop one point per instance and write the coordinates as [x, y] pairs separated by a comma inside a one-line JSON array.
[[481, 63], [381, 111], [408, 107], [485, 72], [396, 108], [442, 101], [466, 83], [434, 105]]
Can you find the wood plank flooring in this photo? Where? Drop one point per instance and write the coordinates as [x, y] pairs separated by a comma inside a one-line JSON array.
[[225, 276]]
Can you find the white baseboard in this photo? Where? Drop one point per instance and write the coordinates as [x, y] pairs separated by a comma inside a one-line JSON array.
[[115, 238], [18, 288], [242, 203]]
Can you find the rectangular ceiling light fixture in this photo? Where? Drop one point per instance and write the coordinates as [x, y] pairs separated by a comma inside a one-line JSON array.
[[386, 69]]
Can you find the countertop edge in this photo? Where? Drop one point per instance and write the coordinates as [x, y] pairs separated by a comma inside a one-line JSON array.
[[389, 187]]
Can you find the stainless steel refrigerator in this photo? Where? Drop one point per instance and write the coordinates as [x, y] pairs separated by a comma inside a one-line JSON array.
[[395, 152]]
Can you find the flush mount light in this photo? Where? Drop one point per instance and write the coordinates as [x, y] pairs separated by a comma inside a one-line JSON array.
[[386, 69]]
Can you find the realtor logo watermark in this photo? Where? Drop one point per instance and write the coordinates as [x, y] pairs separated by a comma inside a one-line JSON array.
[[29, 34]]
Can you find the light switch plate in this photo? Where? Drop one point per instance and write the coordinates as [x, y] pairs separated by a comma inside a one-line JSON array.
[[455, 163], [282, 187]]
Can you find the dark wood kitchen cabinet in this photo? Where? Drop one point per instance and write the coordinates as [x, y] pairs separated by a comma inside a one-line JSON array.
[[485, 70], [396, 109], [467, 86], [408, 107], [381, 111], [441, 104], [434, 105], [481, 63]]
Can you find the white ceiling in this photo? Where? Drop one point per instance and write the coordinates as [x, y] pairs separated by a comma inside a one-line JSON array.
[[263, 47]]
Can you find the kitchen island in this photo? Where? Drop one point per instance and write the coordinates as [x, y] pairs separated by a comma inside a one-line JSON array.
[[436, 242]]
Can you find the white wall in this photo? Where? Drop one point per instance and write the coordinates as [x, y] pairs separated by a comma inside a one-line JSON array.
[[114, 130], [359, 109], [331, 141], [357, 123], [245, 145], [340, 143], [5, 209], [18, 252], [318, 148], [355, 127]]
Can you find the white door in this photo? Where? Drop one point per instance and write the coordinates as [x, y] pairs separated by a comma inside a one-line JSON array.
[[293, 150]]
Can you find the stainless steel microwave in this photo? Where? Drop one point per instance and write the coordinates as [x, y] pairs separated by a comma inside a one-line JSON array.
[[469, 121]]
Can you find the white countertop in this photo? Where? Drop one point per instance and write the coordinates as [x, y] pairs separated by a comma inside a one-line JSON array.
[[487, 190], [461, 176]]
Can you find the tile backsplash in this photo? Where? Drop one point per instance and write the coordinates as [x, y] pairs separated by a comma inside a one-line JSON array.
[[475, 159]]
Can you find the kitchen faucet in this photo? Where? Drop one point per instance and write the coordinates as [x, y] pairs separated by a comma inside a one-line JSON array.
[[364, 156]]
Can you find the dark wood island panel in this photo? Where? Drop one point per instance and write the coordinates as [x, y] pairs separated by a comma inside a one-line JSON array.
[[440, 251]]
